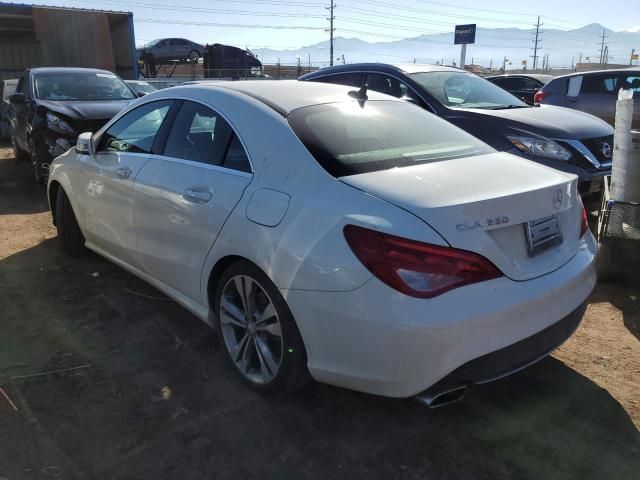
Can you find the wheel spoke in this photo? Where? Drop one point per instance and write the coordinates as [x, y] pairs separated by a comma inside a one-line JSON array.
[[271, 328], [239, 351], [267, 314], [265, 356], [239, 283], [230, 314]]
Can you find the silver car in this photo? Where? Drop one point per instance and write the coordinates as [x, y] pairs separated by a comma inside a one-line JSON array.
[[164, 49], [593, 92]]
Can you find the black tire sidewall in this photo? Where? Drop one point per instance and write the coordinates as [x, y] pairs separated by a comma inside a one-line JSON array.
[[69, 233], [293, 371]]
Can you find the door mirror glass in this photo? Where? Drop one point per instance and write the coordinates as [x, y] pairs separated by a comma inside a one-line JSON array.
[[18, 98], [84, 145]]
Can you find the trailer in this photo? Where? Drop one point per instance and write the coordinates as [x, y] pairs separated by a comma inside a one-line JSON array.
[[37, 36]]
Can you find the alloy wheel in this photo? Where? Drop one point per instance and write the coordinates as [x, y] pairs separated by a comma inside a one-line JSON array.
[[251, 329]]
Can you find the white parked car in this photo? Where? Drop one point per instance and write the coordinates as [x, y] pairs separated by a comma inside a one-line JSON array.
[[342, 234]]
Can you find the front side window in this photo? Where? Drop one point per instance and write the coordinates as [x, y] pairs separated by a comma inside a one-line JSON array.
[[632, 82], [465, 90], [348, 138], [198, 134], [136, 131], [76, 86]]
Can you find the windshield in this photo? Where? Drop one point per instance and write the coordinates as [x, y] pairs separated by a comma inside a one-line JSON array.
[[351, 137], [91, 86], [465, 90]]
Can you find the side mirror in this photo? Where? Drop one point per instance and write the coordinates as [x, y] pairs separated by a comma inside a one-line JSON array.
[[18, 98], [140, 94], [84, 145]]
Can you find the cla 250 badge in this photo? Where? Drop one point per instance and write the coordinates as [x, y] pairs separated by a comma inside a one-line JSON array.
[[488, 222]]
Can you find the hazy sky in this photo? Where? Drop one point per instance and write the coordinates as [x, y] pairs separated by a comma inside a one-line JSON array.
[[237, 22]]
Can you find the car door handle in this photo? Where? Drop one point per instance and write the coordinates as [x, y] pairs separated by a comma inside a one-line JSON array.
[[123, 172], [196, 196]]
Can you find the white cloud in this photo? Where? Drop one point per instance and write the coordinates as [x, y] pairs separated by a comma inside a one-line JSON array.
[[635, 29]]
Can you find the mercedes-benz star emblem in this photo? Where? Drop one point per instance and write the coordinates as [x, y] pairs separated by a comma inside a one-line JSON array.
[[557, 199], [605, 148]]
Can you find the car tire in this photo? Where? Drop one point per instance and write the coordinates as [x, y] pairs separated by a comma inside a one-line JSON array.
[[194, 56], [69, 233], [19, 154], [272, 357]]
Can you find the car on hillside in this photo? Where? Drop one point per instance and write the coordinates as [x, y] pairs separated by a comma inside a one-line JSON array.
[[593, 92], [7, 87], [521, 85], [333, 233], [570, 141], [52, 105], [140, 87], [167, 49]]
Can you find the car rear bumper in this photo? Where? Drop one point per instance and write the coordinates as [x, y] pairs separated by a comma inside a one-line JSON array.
[[376, 340]]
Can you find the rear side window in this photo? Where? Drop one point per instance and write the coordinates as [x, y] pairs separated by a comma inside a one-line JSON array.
[[351, 137], [198, 134], [201, 135], [600, 84]]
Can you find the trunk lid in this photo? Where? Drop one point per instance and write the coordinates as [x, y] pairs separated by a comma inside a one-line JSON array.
[[483, 204]]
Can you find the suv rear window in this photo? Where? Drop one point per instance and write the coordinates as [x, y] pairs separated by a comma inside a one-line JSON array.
[[353, 137]]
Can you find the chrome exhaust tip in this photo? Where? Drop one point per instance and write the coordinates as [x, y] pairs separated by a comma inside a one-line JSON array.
[[440, 399]]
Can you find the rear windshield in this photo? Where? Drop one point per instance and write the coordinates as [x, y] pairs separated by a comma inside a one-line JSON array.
[[80, 86], [348, 138]]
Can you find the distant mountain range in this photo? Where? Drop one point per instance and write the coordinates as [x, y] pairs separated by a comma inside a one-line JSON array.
[[492, 46]]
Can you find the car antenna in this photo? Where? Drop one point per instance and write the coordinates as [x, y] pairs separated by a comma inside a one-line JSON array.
[[360, 95]]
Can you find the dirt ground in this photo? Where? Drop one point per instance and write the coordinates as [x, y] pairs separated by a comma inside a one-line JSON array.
[[150, 395]]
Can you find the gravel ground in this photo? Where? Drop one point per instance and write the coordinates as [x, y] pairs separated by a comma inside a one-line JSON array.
[[145, 391]]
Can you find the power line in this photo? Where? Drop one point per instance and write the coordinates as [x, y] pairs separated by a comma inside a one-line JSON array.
[[231, 25]]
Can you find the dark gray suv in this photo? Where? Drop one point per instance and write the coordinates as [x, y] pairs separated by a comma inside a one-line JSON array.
[[593, 92], [561, 138]]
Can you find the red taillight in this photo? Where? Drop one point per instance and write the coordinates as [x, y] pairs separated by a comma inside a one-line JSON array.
[[540, 95], [415, 268], [584, 223]]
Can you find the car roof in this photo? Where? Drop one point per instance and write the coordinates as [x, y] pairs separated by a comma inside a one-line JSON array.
[[536, 76], [608, 70], [407, 68], [69, 70], [286, 95]]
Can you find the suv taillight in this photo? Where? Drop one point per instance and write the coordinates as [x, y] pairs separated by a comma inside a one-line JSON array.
[[584, 224], [540, 95], [417, 269]]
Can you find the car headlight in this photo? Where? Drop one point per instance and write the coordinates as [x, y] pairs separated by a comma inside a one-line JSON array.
[[540, 147], [58, 125]]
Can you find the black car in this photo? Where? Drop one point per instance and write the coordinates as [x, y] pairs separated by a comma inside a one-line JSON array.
[[51, 106], [522, 85], [564, 139]]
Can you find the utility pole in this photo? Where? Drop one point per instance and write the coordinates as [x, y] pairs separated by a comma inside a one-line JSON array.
[[331, 30], [535, 43], [604, 36], [504, 64], [491, 65]]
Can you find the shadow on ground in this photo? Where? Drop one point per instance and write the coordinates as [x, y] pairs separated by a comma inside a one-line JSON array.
[[626, 299], [110, 420], [19, 192]]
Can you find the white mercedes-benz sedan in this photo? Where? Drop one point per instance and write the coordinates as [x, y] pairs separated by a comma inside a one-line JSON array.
[[340, 235]]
